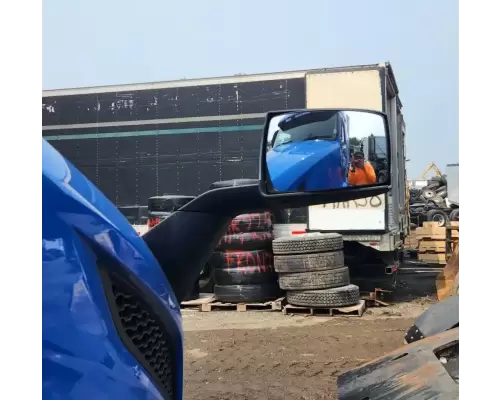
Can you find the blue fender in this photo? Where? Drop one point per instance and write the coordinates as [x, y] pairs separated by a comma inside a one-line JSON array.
[[89, 348]]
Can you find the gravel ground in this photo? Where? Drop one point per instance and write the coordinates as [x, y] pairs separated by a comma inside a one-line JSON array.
[[266, 355]]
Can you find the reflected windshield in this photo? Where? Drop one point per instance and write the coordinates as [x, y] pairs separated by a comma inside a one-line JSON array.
[[297, 128]]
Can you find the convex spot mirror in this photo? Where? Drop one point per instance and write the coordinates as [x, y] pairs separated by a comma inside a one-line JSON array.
[[318, 150]]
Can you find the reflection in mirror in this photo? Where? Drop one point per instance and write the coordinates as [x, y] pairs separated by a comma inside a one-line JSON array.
[[313, 150]]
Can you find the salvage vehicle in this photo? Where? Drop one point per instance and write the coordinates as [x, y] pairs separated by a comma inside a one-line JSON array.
[[111, 317]]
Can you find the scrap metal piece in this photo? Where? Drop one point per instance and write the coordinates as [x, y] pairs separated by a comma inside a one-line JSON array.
[[436, 319], [413, 334], [379, 297], [413, 371], [382, 296]]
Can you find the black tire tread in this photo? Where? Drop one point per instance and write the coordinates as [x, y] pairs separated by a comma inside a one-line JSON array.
[[454, 215], [308, 243], [247, 293], [254, 222], [309, 262], [326, 279], [245, 258], [253, 275], [430, 214], [336, 297], [246, 241]]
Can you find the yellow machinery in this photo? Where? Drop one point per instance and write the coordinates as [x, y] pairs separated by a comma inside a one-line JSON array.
[[429, 167]]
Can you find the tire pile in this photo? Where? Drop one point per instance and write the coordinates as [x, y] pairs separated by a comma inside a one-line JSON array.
[[429, 203], [435, 192], [243, 263], [312, 272]]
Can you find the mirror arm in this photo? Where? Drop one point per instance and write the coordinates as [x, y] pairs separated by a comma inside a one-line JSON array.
[[210, 213]]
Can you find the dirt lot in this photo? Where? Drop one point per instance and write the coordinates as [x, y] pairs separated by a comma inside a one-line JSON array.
[[265, 355]]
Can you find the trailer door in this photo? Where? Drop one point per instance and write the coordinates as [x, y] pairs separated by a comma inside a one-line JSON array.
[[347, 89]]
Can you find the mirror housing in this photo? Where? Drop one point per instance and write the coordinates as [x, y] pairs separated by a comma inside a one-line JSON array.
[[325, 153]]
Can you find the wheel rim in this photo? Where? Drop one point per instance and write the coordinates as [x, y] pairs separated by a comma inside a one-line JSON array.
[[439, 219]]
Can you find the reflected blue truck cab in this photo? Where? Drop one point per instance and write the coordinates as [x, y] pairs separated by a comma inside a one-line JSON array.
[[308, 152], [111, 325]]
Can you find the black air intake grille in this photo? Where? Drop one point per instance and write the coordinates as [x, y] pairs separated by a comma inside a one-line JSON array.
[[142, 333]]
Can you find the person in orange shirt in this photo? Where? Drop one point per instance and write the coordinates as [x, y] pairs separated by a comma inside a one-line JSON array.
[[361, 172]]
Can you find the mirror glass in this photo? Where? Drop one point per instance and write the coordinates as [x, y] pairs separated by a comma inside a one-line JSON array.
[[314, 150]]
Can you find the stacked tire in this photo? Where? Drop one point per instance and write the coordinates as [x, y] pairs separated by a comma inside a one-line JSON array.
[[243, 263], [311, 270], [243, 266]]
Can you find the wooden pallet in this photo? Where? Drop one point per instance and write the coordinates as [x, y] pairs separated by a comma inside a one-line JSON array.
[[274, 305], [205, 298], [353, 311], [431, 231], [432, 242], [433, 258], [432, 246]]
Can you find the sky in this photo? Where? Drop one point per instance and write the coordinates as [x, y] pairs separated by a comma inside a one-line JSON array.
[[106, 42]]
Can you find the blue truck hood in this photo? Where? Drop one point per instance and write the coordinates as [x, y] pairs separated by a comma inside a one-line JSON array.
[[89, 211], [289, 164], [81, 339]]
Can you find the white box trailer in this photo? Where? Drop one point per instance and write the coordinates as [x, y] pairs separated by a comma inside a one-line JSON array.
[[382, 222], [135, 141]]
